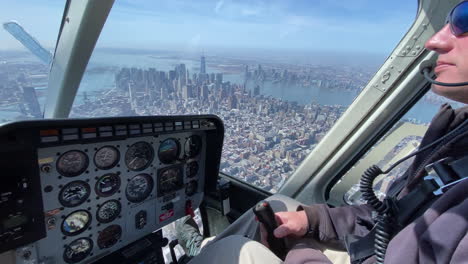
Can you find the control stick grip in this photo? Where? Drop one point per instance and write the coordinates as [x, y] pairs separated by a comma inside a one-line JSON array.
[[266, 216]]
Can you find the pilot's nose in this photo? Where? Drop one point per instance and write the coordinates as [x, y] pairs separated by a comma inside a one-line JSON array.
[[442, 41]]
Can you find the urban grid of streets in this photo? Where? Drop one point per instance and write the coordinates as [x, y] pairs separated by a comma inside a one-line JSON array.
[[266, 138]]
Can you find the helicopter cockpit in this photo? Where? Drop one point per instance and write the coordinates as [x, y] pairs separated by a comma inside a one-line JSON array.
[[104, 146]]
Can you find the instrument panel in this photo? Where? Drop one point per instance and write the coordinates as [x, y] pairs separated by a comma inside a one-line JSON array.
[[106, 185]]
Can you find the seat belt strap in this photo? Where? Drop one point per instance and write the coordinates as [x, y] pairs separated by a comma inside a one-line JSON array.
[[442, 175], [360, 248]]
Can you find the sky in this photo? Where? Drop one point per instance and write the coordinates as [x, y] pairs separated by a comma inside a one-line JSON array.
[[362, 26]]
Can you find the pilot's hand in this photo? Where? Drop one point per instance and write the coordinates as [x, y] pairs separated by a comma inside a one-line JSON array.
[[289, 224]]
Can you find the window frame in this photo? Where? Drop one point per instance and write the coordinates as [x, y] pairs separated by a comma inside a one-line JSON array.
[[375, 140], [395, 87]]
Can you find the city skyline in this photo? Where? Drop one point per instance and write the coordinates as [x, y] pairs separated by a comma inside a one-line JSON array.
[[267, 135], [265, 140]]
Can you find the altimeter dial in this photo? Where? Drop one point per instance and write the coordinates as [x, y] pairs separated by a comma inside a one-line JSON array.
[[139, 188], [108, 211], [106, 157]]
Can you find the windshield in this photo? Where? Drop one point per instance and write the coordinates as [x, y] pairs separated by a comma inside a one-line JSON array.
[[27, 40], [278, 73]]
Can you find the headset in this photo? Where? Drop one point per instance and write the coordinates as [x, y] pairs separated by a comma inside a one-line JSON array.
[[425, 69]]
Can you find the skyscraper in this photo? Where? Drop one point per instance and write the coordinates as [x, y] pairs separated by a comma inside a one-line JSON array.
[[233, 102], [187, 91], [181, 74], [219, 78], [212, 77], [204, 92], [257, 90], [172, 75], [202, 65]]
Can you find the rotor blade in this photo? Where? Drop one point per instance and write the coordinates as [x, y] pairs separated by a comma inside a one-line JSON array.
[[17, 31]]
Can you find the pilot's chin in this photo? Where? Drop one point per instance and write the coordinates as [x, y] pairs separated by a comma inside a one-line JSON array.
[[456, 93], [435, 88], [439, 89]]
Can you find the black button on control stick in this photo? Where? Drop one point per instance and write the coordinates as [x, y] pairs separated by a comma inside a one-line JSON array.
[[266, 216]]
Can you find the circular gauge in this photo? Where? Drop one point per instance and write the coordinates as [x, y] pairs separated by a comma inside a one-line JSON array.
[[192, 169], [109, 236], [191, 188], [77, 250], [170, 180], [74, 193], [169, 150], [139, 188], [193, 146], [72, 163], [106, 157], [107, 185], [76, 222], [139, 156], [108, 211]]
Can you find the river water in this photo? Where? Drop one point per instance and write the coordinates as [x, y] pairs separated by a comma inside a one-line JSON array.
[[96, 81], [92, 82]]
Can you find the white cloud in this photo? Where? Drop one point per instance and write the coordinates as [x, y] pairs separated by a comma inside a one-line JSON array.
[[232, 9], [250, 11], [218, 6], [194, 42]]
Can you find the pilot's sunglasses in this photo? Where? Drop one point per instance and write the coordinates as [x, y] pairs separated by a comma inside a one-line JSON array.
[[458, 19]]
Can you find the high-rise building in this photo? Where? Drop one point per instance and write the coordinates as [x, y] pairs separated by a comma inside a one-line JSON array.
[[233, 102], [187, 91], [246, 73], [219, 78], [30, 98], [204, 92], [163, 93], [131, 94], [203, 77], [181, 74], [172, 75], [212, 77], [256, 90], [202, 65]]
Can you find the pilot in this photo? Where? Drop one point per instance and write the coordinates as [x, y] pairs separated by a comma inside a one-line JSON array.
[[437, 235]]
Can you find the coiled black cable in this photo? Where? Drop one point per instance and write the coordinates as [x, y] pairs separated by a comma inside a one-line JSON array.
[[367, 188], [383, 235], [385, 219], [383, 229]]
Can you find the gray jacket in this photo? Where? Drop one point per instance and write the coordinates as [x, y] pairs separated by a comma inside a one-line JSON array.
[[438, 236]]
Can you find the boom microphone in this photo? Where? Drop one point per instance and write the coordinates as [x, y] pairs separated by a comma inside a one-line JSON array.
[[425, 69]]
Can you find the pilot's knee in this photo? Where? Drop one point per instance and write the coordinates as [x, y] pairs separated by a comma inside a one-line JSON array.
[[232, 242], [236, 249]]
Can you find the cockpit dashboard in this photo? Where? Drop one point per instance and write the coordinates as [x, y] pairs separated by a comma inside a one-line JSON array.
[[77, 190]]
